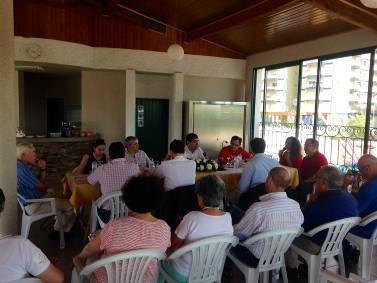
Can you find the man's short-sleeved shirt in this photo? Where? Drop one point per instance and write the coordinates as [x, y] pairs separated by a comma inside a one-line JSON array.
[[226, 153], [27, 182], [197, 154], [20, 258], [311, 164]]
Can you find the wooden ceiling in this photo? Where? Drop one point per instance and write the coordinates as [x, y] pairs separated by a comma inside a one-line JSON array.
[[226, 28]]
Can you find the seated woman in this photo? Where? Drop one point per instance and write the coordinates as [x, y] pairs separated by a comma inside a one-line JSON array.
[[196, 225], [20, 258], [140, 230], [93, 160], [291, 154], [229, 152], [136, 155]]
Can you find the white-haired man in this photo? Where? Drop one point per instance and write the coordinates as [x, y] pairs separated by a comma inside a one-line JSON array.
[[30, 186]]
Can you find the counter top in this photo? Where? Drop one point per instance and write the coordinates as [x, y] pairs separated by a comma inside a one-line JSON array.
[[56, 140]]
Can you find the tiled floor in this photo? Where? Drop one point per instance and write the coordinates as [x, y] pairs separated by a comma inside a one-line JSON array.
[[64, 257]]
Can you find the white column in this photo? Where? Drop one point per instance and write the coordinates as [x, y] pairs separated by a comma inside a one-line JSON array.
[[8, 179], [130, 103], [175, 108]]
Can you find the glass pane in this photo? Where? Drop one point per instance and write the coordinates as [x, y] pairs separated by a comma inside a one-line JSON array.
[[342, 108], [259, 90], [372, 146], [281, 106], [307, 103]]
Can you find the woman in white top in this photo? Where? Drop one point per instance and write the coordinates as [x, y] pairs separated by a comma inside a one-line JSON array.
[[196, 225]]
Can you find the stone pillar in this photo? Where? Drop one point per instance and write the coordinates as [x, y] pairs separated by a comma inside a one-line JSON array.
[[130, 103], [175, 108], [8, 179]]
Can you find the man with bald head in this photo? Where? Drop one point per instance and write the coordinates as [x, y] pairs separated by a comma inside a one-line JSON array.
[[274, 211], [367, 195]]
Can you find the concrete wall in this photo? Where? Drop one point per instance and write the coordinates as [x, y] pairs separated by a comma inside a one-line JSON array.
[[149, 85], [103, 103], [8, 102]]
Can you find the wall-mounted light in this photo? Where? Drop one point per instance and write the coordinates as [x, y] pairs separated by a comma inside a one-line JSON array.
[[369, 3], [175, 52]]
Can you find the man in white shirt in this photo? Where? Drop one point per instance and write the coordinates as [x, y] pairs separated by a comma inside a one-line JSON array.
[[179, 171], [19, 257], [275, 211], [192, 149]]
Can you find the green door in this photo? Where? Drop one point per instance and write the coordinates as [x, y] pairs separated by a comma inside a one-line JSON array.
[[152, 124]]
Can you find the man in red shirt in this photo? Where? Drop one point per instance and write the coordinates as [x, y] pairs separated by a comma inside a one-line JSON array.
[[311, 164], [229, 152]]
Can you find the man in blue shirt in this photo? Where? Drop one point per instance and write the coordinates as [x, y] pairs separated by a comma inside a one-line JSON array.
[[30, 186], [367, 195], [255, 173], [330, 203]]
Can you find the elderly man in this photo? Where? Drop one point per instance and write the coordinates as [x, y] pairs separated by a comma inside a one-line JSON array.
[[255, 173], [229, 152], [192, 149], [30, 186], [179, 171], [311, 163], [19, 257], [134, 154], [274, 211], [113, 175], [330, 203], [367, 195]]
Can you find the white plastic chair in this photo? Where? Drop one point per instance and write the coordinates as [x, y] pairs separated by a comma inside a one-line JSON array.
[[128, 267], [27, 280], [276, 243], [27, 220], [117, 206], [365, 246], [332, 246], [208, 258], [329, 276]]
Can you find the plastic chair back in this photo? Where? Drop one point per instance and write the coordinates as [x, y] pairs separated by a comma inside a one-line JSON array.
[[128, 267], [117, 206], [275, 244], [208, 257], [337, 230]]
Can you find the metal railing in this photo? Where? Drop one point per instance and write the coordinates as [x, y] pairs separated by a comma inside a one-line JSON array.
[[340, 144]]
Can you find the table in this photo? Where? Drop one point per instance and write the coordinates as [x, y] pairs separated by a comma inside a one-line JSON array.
[[82, 193]]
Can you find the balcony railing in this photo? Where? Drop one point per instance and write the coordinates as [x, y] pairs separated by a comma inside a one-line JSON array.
[[340, 144]]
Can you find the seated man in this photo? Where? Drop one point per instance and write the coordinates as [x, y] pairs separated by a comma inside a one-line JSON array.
[[113, 175], [179, 171], [31, 187], [330, 203], [274, 211], [192, 149], [134, 154], [311, 163], [255, 173], [367, 195], [19, 257], [229, 152]]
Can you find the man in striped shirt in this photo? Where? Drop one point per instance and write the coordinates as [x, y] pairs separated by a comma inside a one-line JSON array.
[[275, 211]]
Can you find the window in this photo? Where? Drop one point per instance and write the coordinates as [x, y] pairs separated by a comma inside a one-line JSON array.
[[325, 98]]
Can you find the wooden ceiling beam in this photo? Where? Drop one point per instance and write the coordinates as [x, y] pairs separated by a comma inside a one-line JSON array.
[[256, 10], [348, 12]]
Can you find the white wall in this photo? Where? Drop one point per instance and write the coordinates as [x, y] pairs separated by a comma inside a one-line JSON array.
[[149, 85], [103, 103], [213, 89]]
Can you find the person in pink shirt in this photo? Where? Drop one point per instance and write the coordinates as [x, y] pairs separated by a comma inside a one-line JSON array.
[[113, 175], [139, 230]]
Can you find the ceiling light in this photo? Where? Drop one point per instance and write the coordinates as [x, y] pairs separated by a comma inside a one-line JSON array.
[[369, 3], [175, 52]]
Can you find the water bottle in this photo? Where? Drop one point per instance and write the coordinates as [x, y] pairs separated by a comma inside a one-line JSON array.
[[94, 165]]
